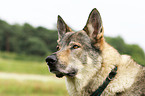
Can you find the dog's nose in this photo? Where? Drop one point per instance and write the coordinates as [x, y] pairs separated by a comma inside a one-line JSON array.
[[51, 60]]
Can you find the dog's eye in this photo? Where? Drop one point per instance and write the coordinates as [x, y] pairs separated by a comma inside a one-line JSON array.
[[75, 46], [57, 48]]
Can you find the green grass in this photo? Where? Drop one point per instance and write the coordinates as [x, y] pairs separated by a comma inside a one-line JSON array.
[[23, 64], [32, 88], [19, 63], [22, 57]]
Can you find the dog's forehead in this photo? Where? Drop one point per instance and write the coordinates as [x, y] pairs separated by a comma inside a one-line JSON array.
[[66, 37], [79, 36]]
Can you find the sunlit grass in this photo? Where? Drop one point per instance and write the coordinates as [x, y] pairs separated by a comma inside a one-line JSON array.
[[22, 57], [23, 64], [10, 62], [17, 66], [32, 88]]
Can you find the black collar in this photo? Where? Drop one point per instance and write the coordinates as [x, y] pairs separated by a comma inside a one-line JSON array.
[[110, 77]]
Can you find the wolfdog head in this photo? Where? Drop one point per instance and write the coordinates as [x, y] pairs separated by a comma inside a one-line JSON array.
[[78, 52]]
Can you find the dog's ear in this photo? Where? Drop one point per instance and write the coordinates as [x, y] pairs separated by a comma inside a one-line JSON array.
[[62, 27], [94, 27]]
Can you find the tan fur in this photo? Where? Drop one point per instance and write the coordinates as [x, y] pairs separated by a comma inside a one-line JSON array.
[[63, 56], [126, 74]]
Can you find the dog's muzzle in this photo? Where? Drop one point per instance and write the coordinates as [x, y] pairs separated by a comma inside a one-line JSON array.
[[51, 62]]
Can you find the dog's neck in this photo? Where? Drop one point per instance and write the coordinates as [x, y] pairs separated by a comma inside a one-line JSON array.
[[85, 85]]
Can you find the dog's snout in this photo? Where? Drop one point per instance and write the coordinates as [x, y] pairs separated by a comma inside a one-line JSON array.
[[51, 59]]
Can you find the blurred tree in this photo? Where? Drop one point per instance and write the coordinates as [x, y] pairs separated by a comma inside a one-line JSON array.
[[36, 46], [17, 39], [133, 50], [28, 30], [136, 52], [5, 30], [117, 42], [48, 36]]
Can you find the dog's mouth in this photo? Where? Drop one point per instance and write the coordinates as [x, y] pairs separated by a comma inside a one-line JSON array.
[[62, 73]]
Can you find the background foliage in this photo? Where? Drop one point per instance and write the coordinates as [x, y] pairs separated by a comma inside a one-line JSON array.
[[26, 39]]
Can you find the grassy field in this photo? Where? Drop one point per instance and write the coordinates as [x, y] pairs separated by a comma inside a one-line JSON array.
[[32, 88], [18, 63], [23, 64]]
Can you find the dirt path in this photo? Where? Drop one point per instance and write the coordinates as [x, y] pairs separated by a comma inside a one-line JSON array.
[[22, 77]]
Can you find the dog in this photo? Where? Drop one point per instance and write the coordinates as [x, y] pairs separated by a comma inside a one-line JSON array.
[[91, 66]]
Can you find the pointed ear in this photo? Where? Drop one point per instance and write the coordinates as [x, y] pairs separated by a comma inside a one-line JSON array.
[[62, 27], [94, 28]]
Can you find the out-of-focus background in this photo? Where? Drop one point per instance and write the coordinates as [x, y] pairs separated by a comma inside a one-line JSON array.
[[28, 34]]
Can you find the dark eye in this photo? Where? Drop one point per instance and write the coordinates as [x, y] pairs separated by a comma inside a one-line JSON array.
[[57, 48], [75, 46]]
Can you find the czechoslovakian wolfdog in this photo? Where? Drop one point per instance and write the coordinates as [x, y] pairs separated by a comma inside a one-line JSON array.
[[87, 60]]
